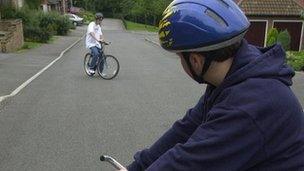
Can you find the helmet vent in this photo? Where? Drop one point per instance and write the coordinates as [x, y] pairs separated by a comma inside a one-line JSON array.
[[223, 3], [217, 18]]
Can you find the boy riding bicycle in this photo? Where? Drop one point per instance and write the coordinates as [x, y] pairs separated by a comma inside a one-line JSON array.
[[94, 38]]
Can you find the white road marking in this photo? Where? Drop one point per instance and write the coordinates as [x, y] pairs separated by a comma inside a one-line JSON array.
[[22, 86]]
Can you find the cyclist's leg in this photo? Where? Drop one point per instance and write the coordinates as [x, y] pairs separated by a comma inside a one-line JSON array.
[[95, 53], [99, 55], [101, 59]]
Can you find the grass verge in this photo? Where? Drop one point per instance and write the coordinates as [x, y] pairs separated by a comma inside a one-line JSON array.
[[139, 27], [29, 45]]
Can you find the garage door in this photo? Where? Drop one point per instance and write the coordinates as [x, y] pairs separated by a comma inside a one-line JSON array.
[[256, 33], [294, 29]]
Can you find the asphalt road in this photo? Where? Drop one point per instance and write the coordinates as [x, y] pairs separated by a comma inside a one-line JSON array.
[[65, 120]]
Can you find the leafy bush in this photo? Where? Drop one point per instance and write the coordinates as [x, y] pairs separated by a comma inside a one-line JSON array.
[[33, 4], [55, 23], [72, 26], [87, 16], [63, 25], [47, 21], [282, 37], [7, 12], [296, 60], [36, 34], [272, 37], [27, 16], [37, 25], [30, 20]]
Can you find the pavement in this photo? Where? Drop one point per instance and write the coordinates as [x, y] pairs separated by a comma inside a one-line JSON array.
[[64, 120]]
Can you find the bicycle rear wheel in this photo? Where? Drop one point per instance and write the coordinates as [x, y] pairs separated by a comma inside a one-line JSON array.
[[108, 67], [87, 61]]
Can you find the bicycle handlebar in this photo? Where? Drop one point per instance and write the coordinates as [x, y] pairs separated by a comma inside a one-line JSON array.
[[112, 161], [105, 43]]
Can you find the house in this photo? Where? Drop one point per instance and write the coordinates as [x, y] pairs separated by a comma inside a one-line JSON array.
[[281, 14], [54, 5]]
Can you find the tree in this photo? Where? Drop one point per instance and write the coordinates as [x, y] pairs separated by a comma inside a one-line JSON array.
[[158, 7], [126, 6], [145, 11]]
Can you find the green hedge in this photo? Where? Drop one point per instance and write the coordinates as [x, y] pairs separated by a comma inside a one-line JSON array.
[[36, 34], [37, 25], [296, 60], [55, 23], [7, 12], [129, 25], [87, 16], [64, 25], [48, 22]]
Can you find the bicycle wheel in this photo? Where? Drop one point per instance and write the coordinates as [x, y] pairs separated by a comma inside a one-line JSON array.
[[87, 61], [108, 68]]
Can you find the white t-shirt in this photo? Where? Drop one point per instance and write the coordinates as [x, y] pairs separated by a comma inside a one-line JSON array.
[[90, 41]]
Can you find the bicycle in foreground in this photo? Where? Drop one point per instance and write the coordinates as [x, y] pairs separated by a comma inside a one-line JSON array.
[[107, 65]]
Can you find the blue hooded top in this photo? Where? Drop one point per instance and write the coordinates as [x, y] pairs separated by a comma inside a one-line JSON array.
[[252, 121]]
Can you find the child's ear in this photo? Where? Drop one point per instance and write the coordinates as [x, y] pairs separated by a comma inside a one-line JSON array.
[[196, 60]]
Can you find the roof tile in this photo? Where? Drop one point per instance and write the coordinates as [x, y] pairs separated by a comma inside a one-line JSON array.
[[271, 7]]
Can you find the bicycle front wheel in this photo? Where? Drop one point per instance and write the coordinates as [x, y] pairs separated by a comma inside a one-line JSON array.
[[108, 67]]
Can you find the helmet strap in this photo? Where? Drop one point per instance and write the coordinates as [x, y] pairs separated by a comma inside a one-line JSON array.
[[199, 78]]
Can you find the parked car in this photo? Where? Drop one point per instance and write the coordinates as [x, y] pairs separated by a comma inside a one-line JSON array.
[[76, 20]]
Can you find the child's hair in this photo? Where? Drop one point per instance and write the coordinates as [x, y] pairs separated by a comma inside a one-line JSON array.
[[219, 55]]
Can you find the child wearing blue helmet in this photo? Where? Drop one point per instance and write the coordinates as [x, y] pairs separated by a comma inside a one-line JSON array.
[[248, 118]]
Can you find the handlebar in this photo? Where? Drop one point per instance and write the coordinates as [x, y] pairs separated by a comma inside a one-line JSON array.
[[112, 161], [105, 43]]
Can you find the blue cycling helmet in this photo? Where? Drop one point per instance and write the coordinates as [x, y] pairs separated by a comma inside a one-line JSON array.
[[201, 25]]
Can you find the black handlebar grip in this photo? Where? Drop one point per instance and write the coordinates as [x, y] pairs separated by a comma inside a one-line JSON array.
[[102, 158]]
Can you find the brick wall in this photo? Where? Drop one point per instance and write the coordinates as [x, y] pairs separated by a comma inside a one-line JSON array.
[[12, 35]]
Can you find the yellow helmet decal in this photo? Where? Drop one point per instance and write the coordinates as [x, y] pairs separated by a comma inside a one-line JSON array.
[[164, 32], [164, 23], [168, 9], [167, 15]]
